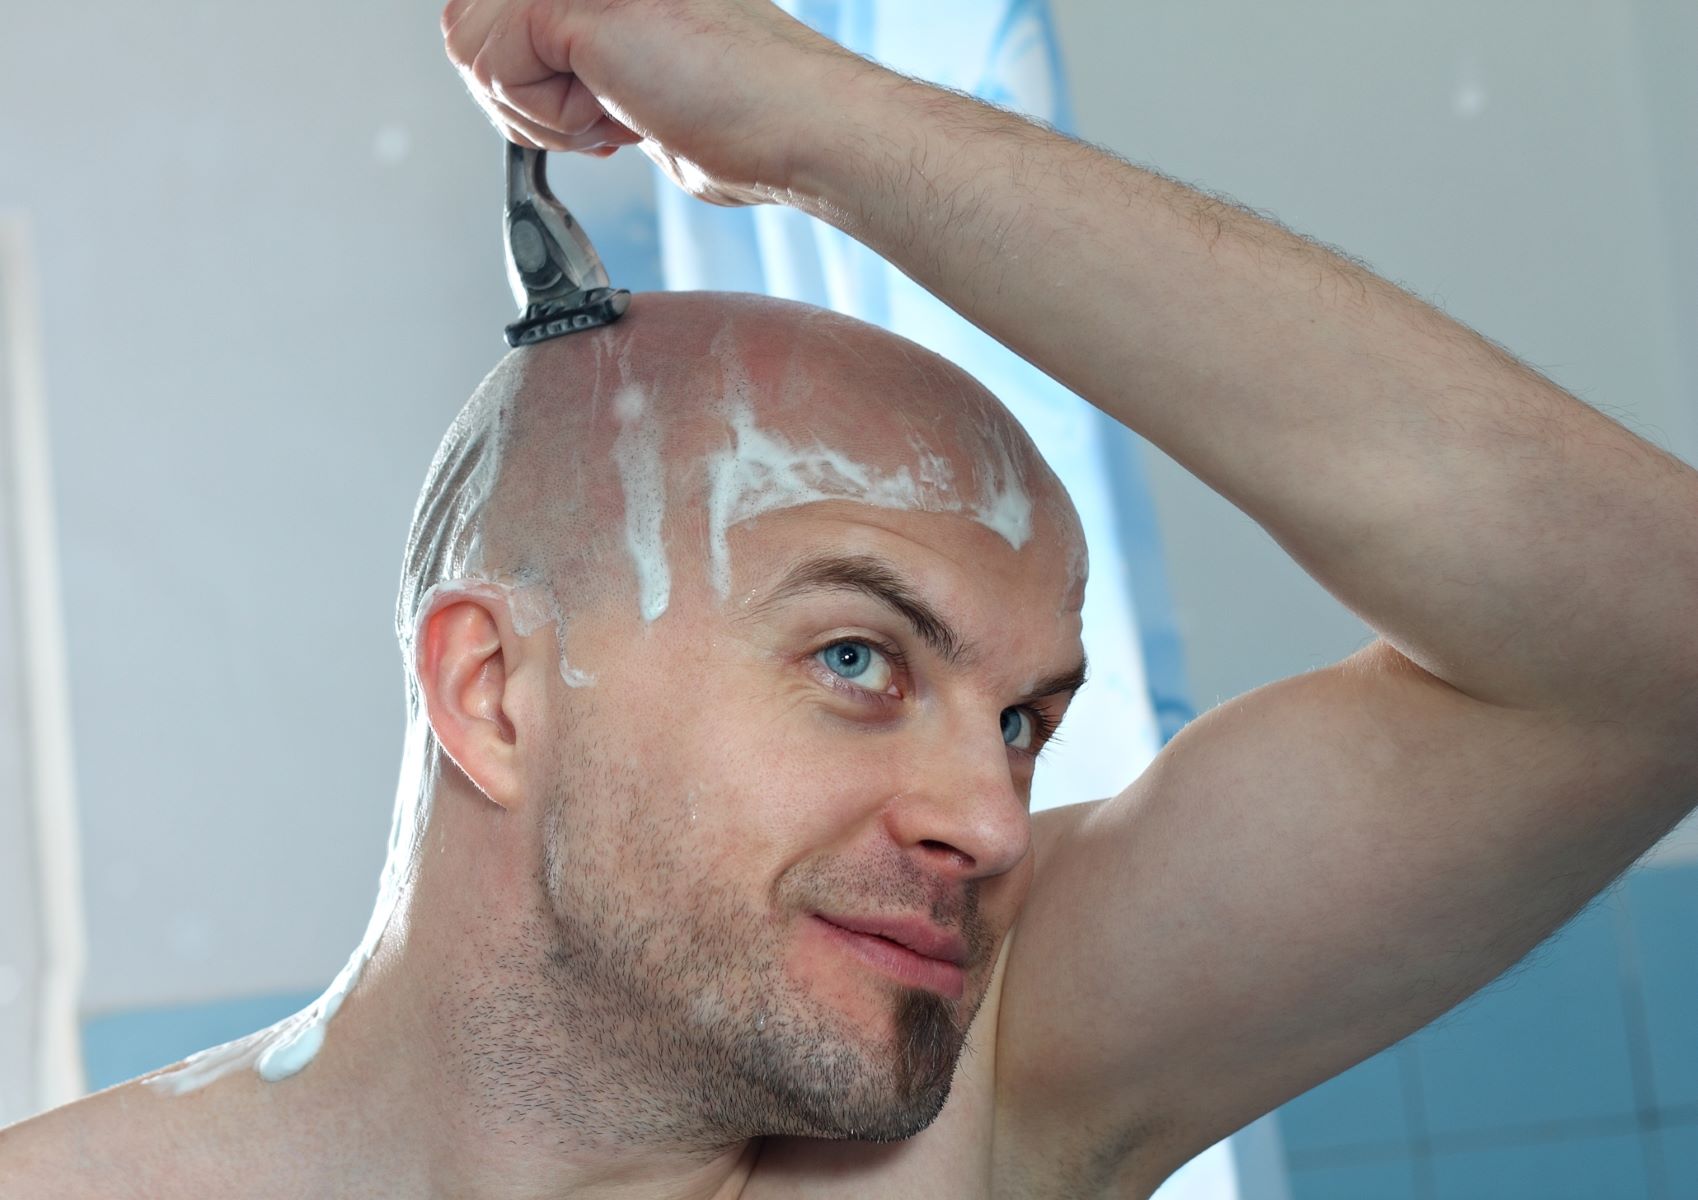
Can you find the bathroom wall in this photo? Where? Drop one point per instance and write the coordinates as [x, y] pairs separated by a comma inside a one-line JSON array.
[[268, 278], [20, 924]]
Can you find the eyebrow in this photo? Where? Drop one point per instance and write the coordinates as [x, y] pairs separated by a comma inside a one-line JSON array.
[[1070, 680], [878, 578], [882, 581]]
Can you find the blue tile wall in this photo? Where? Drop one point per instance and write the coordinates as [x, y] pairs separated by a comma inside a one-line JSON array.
[[1392, 1179], [1678, 1145], [1576, 1075], [1549, 1043], [1362, 1108], [1663, 903], [121, 1045], [1585, 1168]]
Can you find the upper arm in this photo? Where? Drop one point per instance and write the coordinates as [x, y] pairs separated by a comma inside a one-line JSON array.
[[1305, 875]]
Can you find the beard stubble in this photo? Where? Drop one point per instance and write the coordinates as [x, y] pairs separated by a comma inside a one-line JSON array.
[[686, 990]]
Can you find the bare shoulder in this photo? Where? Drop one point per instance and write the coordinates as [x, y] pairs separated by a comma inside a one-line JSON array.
[[1078, 1156], [1054, 825], [67, 1152], [1304, 875], [127, 1141]]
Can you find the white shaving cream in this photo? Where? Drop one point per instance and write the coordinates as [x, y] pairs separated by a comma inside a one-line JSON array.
[[286, 1047], [531, 606], [1006, 509], [642, 477], [761, 471]]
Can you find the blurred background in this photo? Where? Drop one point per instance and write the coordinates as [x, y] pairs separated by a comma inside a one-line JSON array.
[[250, 267]]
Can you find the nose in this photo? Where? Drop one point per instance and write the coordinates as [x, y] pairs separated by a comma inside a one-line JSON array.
[[961, 811]]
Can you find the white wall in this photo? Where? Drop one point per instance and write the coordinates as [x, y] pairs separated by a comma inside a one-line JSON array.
[[42, 948], [21, 958], [269, 244]]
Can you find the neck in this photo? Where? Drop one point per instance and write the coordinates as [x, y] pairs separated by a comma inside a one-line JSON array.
[[459, 1068]]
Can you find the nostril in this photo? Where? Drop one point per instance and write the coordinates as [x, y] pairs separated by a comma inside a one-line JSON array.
[[965, 860]]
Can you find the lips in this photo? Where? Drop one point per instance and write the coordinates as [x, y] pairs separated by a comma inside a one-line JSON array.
[[914, 933], [910, 950]]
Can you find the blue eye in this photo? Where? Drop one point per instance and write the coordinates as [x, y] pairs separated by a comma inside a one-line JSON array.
[[1018, 728], [859, 662], [848, 659]]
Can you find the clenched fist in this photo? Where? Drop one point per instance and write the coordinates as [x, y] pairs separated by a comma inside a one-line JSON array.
[[720, 93]]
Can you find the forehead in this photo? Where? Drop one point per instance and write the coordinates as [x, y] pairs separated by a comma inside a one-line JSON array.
[[802, 559], [660, 438]]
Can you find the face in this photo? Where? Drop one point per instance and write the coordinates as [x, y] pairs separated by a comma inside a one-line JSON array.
[[819, 610], [764, 797]]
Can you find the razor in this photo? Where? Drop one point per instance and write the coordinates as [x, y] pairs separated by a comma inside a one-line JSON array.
[[556, 275]]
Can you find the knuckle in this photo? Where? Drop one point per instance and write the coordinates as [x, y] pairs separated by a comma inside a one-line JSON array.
[[481, 71], [456, 30]]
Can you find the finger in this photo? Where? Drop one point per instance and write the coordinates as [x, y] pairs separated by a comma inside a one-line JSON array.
[[504, 123], [507, 59], [452, 12], [601, 133], [571, 109], [610, 133], [537, 134], [465, 28]]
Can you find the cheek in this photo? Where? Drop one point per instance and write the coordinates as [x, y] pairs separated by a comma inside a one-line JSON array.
[[738, 768], [774, 786]]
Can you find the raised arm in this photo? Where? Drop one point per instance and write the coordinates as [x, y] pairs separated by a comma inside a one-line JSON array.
[[1481, 519], [1316, 869]]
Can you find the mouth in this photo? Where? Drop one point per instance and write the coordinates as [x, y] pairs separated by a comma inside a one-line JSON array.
[[909, 950]]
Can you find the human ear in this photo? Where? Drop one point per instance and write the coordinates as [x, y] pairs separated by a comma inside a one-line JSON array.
[[465, 674]]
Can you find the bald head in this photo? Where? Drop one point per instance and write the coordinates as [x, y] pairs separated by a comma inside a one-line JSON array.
[[613, 466]]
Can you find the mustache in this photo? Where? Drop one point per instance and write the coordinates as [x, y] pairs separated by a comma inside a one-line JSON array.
[[888, 882]]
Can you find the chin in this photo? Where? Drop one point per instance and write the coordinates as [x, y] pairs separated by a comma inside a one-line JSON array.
[[885, 1090], [898, 1125], [863, 1119]]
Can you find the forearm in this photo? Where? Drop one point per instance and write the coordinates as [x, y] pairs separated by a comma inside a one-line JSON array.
[[1497, 531]]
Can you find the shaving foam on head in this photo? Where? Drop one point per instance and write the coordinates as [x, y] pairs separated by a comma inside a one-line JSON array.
[[642, 477], [1005, 509], [761, 471], [531, 605]]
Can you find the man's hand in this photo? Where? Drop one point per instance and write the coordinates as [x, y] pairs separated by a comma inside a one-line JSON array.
[[718, 93]]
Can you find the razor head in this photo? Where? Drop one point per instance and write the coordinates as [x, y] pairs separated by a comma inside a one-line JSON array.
[[556, 275], [552, 319]]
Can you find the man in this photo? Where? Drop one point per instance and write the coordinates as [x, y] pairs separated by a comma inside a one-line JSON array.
[[735, 630]]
